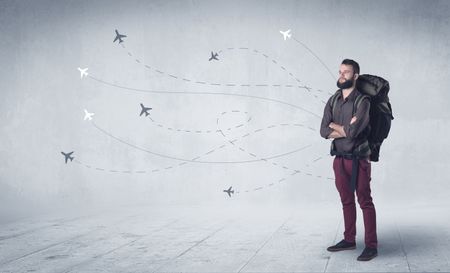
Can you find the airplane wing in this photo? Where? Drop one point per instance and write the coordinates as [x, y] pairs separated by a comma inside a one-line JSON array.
[[143, 109], [117, 37], [229, 194]]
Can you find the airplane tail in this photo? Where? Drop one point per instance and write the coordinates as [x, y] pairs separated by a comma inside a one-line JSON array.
[[71, 158]]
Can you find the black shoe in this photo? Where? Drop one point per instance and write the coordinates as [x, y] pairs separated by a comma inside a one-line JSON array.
[[368, 254], [342, 245]]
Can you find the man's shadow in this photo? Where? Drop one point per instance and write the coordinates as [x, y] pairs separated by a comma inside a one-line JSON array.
[[409, 239]]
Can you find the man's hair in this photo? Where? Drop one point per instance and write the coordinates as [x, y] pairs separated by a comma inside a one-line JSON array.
[[354, 64]]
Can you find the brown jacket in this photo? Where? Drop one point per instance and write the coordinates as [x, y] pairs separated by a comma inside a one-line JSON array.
[[342, 115]]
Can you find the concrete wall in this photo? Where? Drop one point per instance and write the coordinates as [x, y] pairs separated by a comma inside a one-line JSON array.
[[44, 42]]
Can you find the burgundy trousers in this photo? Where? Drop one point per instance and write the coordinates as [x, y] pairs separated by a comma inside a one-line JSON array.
[[343, 170]]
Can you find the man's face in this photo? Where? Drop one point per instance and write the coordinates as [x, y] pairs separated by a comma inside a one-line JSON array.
[[346, 76]]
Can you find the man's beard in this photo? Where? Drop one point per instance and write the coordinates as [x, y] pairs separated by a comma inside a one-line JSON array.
[[345, 85]]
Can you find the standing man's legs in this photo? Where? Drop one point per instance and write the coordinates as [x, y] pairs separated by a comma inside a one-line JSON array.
[[365, 202], [342, 171]]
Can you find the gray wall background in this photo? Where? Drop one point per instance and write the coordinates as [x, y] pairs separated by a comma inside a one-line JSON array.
[[43, 43]]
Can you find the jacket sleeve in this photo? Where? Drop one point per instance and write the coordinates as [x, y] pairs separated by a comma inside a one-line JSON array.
[[362, 120], [327, 118]]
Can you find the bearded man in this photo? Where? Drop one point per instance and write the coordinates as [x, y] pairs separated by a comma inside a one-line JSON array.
[[348, 127]]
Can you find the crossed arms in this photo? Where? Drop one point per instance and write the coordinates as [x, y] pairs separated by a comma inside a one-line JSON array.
[[330, 129], [338, 130]]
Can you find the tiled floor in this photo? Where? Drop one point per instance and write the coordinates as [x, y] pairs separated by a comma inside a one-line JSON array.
[[171, 239]]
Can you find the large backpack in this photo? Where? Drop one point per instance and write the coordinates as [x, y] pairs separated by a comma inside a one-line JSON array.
[[376, 89]]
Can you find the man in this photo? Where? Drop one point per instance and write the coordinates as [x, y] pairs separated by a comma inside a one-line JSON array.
[[348, 127]]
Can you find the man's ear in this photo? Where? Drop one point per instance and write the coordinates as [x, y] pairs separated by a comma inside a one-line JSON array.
[[356, 76]]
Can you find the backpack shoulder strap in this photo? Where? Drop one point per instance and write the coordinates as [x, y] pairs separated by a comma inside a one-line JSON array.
[[359, 99], [333, 101]]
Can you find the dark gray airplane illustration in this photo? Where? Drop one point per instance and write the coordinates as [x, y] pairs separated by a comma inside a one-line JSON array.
[[229, 191], [214, 56], [67, 156], [145, 110], [119, 37]]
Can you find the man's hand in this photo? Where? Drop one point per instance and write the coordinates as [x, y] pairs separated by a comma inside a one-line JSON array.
[[338, 128], [333, 125], [335, 134]]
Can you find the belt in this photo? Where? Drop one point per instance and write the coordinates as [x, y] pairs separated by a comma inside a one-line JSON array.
[[350, 156], [346, 156]]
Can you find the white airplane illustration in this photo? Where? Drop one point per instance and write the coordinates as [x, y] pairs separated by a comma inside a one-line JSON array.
[[119, 37], [88, 115], [83, 72], [286, 34]]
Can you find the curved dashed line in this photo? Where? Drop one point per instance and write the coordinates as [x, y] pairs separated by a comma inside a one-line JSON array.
[[183, 163], [202, 93], [257, 85], [275, 163], [206, 131], [191, 160]]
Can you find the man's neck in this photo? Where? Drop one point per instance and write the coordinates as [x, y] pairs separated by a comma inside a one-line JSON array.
[[347, 92]]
